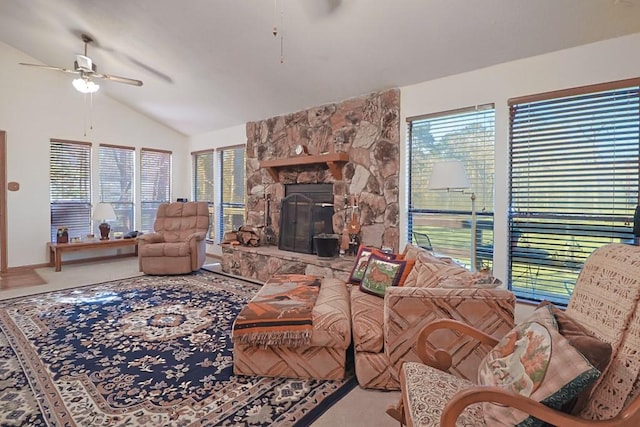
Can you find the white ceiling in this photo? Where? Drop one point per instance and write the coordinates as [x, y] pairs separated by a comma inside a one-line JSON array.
[[211, 64]]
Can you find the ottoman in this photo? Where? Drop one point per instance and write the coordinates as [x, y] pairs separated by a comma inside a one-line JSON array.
[[324, 358]]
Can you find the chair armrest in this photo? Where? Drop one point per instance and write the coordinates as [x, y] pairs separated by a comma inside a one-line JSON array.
[[407, 310], [441, 359], [629, 417], [150, 238], [196, 236]]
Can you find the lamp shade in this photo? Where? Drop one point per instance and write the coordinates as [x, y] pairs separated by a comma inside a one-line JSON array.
[[104, 212], [448, 175]]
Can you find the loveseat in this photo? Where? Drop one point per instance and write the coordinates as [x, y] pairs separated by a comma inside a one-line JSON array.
[[385, 328]]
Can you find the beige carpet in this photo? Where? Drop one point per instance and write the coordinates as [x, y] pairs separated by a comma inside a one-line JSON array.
[[359, 408]]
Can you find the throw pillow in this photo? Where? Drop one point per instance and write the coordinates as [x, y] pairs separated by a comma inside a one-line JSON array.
[[362, 259], [598, 353], [536, 361], [380, 274]]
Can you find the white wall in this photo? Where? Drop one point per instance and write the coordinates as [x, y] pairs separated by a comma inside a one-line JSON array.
[[228, 137], [606, 61], [37, 105]]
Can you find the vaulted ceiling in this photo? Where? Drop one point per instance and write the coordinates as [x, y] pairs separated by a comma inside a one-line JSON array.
[[212, 64]]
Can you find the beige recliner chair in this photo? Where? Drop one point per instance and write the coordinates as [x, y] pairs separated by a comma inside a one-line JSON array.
[[178, 244]]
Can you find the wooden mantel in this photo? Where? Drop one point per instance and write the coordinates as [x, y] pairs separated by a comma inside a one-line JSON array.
[[334, 161]]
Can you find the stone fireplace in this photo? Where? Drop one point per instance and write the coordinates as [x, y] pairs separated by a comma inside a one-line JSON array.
[[353, 145]]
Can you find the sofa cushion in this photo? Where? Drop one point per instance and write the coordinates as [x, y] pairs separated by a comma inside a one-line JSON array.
[[536, 361], [362, 260], [380, 274], [367, 317], [427, 390]]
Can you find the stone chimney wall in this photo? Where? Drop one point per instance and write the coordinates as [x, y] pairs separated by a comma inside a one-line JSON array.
[[368, 128]]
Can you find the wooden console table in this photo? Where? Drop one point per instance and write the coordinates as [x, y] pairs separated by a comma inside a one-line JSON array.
[[57, 249]]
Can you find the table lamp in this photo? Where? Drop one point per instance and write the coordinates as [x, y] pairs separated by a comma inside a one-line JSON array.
[[451, 175], [104, 212]]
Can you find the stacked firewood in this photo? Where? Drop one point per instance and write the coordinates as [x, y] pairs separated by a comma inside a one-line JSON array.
[[246, 235]]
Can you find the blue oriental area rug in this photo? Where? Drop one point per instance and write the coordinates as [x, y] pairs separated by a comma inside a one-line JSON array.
[[145, 351]]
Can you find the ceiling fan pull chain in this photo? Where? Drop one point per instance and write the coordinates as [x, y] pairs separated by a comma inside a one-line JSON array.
[[281, 35]]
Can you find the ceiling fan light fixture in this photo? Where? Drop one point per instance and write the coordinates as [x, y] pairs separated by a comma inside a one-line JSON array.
[[85, 86]]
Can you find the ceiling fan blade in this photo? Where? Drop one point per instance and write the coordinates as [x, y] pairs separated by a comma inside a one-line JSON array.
[[50, 67], [118, 79]]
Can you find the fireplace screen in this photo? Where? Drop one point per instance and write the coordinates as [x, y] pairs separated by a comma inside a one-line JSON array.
[[307, 210]]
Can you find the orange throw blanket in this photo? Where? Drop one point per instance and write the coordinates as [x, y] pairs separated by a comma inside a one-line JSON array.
[[280, 314]]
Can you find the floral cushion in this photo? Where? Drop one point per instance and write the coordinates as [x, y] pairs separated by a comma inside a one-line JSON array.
[[427, 390], [536, 361]]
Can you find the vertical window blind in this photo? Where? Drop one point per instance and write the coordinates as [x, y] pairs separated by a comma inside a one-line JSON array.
[[232, 193], [116, 184], [203, 188], [467, 135], [70, 187], [574, 182], [155, 184]]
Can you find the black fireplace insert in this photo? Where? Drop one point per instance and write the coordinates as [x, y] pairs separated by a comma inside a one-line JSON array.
[[307, 210]]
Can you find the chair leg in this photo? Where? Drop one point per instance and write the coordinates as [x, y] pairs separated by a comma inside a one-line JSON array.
[[397, 412]]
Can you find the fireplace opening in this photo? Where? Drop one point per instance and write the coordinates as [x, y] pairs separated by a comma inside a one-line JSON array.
[[306, 210]]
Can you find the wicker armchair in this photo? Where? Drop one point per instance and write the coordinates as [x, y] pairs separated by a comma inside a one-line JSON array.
[[604, 304]]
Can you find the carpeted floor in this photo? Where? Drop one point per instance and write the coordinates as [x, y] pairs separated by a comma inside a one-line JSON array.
[[141, 351]]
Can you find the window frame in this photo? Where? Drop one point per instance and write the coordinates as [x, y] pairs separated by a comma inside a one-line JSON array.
[[553, 222], [79, 209], [444, 216], [123, 205], [201, 179], [148, 203], [224, 205]]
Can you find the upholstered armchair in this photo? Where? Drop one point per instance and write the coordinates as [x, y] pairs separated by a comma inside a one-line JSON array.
[[178, 244], [562, 371]]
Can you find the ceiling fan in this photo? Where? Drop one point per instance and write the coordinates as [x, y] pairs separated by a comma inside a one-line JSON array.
[[86, 69]]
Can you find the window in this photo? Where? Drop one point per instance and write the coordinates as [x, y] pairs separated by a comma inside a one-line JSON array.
[[231, 214], [70, 187], [445, 217], [203, 190], [574, 182], [155, 184], [116, 184]]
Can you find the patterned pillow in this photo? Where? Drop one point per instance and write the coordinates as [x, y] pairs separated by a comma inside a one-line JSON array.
[[380, 274], [534, 360], [423, 273], [362, 258]]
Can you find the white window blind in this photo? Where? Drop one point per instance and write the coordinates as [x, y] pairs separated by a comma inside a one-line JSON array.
[[116, 184], [70, 187], [232, 190], [155, 184], [574, 182], [467, 135], [203, 188]]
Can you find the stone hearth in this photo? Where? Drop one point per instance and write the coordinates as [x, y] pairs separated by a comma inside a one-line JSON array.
[[261, 263]]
